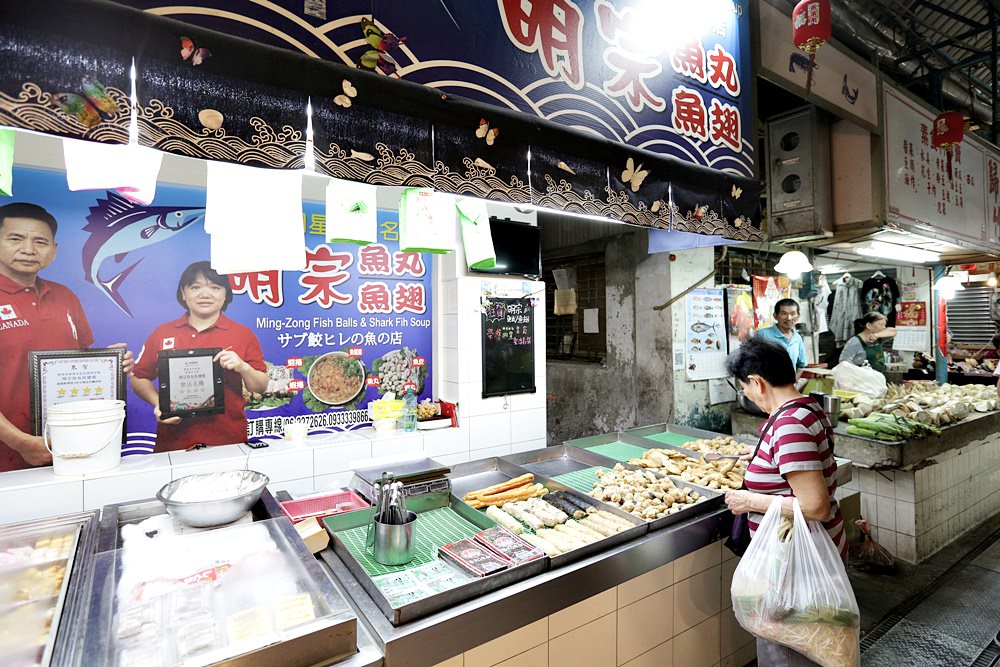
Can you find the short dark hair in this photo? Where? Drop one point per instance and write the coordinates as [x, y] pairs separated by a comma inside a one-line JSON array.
[[756, 356], [205, 270], [20, 209], [784, 303], [866, 319]]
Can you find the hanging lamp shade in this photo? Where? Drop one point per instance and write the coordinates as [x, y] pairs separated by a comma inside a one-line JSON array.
[[811, 29], [793, 263], [948, 132]]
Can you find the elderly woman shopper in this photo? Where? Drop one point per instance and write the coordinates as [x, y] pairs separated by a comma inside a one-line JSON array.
[[794, 459]]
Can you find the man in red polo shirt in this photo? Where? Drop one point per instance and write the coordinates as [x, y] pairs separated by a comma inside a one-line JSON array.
[[35, 314]]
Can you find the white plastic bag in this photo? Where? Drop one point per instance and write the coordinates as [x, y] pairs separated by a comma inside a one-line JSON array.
[[791, 588], [861, 379]]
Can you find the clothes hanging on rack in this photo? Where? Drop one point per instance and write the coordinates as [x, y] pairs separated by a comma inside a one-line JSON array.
[[818, 305], [879, 295], [846, 309]]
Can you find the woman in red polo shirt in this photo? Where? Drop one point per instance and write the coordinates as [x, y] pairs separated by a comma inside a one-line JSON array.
[[204, 294]]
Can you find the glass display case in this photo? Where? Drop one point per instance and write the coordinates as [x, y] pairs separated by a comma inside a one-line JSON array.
[[43, 574]]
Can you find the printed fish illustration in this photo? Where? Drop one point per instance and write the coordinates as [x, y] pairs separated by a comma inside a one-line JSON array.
[[701, 327], [117, 227]]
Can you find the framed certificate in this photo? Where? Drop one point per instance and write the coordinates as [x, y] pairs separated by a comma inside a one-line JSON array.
[[190, 382], [62, 376]]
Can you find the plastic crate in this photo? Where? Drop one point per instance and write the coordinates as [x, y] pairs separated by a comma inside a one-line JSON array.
[[322, 506]]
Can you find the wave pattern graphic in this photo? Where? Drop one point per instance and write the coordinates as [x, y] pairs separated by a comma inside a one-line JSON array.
[[280, 149], [399, 167], [34, 109]]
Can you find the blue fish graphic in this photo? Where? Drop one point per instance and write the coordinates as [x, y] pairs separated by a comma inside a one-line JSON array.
[[117, 227]]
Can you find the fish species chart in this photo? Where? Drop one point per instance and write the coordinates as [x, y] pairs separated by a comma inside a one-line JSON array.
[[705, 334]]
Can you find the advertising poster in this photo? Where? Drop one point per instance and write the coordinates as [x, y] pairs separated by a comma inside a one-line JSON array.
[[911, 327], [705, 334], [355, 324], [767, 291], [739, 314]]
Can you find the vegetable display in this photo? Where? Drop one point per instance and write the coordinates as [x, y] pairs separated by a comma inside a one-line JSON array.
[[925, 403]]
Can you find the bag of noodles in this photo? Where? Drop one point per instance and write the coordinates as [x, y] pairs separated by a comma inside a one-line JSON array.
[[791, 588]]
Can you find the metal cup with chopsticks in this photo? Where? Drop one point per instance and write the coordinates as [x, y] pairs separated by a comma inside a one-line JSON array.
[[393, 539]]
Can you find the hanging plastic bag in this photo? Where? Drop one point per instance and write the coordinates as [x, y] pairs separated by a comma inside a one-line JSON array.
[[863, 380], [791, 588]]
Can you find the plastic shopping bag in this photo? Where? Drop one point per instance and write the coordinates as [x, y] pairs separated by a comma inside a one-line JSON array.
[[791, 588], [861, 379]]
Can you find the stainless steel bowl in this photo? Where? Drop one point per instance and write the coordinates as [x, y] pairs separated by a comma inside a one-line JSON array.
[[216, 511]]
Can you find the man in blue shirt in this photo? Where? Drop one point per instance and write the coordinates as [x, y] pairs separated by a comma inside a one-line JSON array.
[[782, 332]]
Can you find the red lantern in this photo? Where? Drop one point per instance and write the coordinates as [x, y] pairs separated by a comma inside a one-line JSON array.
[[948, 131], [811, 28]]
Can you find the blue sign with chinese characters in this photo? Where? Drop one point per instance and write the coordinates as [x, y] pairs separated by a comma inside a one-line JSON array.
[[670, 77], [354, 325]]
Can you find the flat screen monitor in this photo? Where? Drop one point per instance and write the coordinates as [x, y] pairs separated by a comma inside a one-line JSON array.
[[518, 249]]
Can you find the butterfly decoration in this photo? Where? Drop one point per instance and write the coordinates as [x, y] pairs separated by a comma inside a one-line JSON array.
[[484, 131], [634, 176], [377, 58], [196, 54], [344, 100], [737, 192], [91, 105]]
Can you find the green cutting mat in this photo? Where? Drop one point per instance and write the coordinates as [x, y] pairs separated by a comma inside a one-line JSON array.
[[619, 451], [675, 439], [434, 529], [581, 480]]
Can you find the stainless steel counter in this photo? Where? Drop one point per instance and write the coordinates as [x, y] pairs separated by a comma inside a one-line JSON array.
[[432, 639], [869, 453]]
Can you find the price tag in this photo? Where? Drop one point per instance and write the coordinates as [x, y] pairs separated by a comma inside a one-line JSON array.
[[373, 381], [355, 352], [419, 361], [296, 385], [409, 385], [294, 362]]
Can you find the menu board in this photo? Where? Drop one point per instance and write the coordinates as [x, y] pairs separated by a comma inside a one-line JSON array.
[[920, 192], [508, 346]]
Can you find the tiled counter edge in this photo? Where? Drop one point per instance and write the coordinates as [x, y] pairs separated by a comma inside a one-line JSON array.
[[324, 462]]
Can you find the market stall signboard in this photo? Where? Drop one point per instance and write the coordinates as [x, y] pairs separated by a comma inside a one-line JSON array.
[[508, 347]]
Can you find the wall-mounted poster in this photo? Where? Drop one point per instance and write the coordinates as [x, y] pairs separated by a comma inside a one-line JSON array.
[[911, 327], [767, 291], [371, 304], [705, 334], [739, 314]]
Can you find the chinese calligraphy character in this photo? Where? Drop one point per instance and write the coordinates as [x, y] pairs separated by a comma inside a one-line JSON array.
[[260, 286], [689, 59], [725, 122], [409, 262], [409, 298], [325, 270], [373, 260], [389, 229], [629, 58], [553, 29], [722, 70], [374, 298], [689, 117]]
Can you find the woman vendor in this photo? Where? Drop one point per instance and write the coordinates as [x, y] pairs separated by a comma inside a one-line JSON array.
[[866, 344], [204, 295]]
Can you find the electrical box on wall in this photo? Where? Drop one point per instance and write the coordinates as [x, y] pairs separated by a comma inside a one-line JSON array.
[[798, 176]]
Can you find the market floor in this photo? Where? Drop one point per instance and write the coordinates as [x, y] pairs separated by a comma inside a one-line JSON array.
[[944, 612]]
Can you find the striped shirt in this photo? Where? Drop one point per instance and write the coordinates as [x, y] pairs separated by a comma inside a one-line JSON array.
[[796, 441]]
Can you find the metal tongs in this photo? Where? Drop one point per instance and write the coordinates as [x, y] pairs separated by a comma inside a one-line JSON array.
[[380, 501], [715, 456]]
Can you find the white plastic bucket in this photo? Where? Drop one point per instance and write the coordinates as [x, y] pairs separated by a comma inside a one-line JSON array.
[[84, 436]]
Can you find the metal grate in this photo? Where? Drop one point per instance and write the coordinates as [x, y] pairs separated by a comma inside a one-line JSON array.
[[581, 480], [619, 451], [969, 315], [434, 529]]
